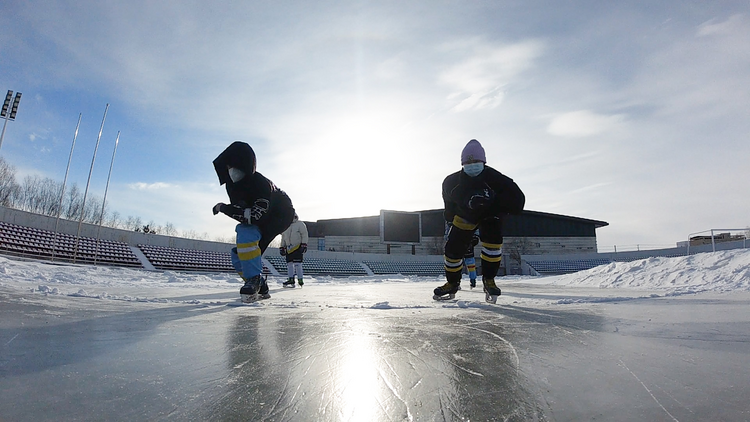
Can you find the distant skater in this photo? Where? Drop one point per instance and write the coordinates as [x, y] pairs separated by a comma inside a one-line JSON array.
[[262, 210], [293, 246], [476, 197], [470, 261]]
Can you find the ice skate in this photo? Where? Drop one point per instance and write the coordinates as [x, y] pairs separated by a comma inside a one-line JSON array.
[[447, 291], [249, 292], [473, 283], [263, 291], [289, 283], [300, 282], [491, 291]]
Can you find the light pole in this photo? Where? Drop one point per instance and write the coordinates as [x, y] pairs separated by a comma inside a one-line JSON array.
[[9, 114]]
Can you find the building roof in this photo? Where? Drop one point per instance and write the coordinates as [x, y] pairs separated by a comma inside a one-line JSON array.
[[527, 224]]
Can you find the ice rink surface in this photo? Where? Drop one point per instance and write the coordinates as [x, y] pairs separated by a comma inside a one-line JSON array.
[[368, 349]]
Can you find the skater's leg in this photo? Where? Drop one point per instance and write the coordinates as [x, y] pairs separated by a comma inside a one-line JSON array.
[[248, 250], [491, 238], [298, 270], [459, 239], [236, 262], [249, 256], [471, 268], [290, 271]]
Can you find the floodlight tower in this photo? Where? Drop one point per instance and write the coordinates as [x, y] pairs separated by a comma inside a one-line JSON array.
[[9, 114]]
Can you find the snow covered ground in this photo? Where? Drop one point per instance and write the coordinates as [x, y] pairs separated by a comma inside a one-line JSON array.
[[656, 339]]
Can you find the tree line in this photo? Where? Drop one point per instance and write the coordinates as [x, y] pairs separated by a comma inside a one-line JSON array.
[[41, 195]]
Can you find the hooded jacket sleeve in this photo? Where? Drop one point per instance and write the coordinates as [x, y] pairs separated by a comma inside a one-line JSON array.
[[509, 198]]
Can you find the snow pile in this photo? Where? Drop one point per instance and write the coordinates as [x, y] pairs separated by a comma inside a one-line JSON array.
[[718, 271]]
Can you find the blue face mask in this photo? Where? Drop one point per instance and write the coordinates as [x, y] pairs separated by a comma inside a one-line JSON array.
[[473, 169]]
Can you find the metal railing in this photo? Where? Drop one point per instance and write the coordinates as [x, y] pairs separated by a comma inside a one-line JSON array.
[[744, 236]]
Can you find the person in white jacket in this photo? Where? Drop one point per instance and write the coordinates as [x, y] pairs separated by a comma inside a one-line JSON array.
[[294, 246]]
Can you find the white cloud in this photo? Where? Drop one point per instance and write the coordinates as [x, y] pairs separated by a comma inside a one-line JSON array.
[[582, 123], [729, 26], [479, 79], [150, 186]]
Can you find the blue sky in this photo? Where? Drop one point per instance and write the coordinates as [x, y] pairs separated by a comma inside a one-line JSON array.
[[633, 112]]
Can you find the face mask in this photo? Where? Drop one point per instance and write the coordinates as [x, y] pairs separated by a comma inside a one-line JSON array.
[[473, 169], [236, 174]]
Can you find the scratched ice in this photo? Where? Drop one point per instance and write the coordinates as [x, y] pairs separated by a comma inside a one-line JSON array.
[[657, 339]]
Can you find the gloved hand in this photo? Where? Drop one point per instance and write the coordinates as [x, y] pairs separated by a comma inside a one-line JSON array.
[[481, 200], [303, 246], [233, 211], [282, 251]]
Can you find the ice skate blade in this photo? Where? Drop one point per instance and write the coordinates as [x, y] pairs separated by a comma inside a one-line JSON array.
[[449, 296], [289, 286], [245, 298], [264, 296], [491, 299]]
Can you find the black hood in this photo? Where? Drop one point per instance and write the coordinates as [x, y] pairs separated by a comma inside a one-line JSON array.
[[238, 155]]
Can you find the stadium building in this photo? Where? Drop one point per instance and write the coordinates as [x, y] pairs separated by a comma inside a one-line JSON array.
[[422, 233]]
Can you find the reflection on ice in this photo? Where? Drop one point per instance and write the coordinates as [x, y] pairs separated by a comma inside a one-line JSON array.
[[356, 380]]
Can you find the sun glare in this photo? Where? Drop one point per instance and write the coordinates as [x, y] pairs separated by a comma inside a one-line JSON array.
[[357, 381]]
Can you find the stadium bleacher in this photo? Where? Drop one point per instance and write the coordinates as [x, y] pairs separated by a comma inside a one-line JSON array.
[[165, 258], [319, 266], [45, 244], [406, 268], [566, 266], [32, 242]]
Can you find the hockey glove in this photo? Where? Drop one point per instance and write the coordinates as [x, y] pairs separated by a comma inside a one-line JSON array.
[[303, 246], [282, 251], [233, 211], [481, 200], [217, 208]]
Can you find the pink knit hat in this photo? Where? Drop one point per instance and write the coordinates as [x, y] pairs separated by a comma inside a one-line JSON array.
[[473, 151]]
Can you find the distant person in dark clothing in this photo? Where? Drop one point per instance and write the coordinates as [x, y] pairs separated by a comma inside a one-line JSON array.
[[262, 210], [476, 197]]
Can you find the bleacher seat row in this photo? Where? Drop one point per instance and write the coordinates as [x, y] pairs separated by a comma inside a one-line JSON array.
[[27, 241], [44, 244]]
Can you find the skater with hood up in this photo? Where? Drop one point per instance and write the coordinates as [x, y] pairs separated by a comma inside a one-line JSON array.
[[293, 246], [262, 210], [476, 197]]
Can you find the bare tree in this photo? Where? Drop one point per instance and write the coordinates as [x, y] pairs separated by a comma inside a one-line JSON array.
[[518, 247], [133, 223], [9, 189], [169, 230], [72, 203], [435, 245], [114, 220], [29, 199], [92, 210]]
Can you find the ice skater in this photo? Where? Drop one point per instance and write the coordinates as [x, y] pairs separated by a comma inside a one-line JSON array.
[[476, 197], [293, 246], [470, 261], [262, 210]]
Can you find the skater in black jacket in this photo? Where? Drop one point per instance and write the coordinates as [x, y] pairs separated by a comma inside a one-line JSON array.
[[262, 210], [476, 197]]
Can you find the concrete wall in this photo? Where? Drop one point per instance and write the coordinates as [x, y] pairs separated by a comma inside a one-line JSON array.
[[636, 255]]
